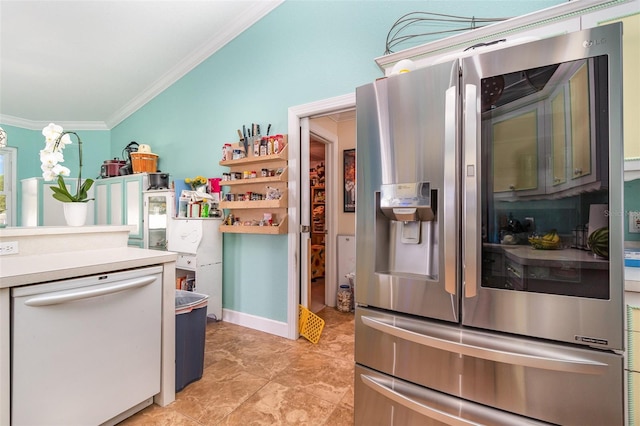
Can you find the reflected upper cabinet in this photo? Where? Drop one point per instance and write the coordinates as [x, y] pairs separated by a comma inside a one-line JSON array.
[[545, 141]]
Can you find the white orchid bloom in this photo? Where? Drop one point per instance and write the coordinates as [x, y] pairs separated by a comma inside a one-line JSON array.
[[48, 175], [65, 140], [61, 170], [51, 132], [51, 158]]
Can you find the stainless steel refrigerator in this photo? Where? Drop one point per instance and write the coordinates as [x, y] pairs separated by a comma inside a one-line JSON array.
[[479, 183]]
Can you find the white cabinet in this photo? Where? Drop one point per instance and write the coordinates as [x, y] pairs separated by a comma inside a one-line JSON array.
[[119, 201], [39, 208], [199, 244]]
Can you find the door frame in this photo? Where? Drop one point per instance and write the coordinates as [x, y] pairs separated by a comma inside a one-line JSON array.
[[297, 151]]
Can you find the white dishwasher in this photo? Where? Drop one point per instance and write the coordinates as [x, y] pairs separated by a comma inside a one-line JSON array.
[[85, 350]]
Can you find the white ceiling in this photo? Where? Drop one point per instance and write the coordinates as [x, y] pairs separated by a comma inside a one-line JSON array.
[[92, 63]]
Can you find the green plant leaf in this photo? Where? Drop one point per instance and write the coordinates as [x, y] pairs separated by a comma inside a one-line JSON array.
[[84, 190], [62, 197]]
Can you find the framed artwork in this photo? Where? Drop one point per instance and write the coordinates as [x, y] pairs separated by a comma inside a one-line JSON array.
[[349, 163]]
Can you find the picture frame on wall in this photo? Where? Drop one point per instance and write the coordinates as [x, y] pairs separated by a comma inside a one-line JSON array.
[[349, 177]]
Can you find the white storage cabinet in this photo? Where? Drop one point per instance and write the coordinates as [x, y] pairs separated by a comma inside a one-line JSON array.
[[39, 208], [119, 201], [199, 244]]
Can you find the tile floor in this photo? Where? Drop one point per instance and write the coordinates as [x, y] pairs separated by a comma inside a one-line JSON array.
[[255, 378]]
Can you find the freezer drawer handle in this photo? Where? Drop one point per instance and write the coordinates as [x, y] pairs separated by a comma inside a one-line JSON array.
[[412, 405], [85, 293], [522, 358]]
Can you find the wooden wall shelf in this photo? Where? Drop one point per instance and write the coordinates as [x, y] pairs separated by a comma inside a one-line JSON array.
[[279, 229], [254, 211], [283, 177]]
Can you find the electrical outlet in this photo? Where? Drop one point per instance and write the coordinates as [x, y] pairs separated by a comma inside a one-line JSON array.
[[8, 247], [634, 222]]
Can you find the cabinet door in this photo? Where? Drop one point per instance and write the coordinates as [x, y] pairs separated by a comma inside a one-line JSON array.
[[51, 212], [133, 207], [581, 152], [109, 206], [158, 212], [516, 152], [558, 139], [102, 195], [571, 111]]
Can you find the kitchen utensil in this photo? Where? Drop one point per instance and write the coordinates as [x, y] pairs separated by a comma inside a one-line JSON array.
[[127, 169], [158, 180], [111, 168]]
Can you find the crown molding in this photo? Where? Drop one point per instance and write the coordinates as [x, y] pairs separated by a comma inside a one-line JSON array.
[[39, 125], [199, 55]]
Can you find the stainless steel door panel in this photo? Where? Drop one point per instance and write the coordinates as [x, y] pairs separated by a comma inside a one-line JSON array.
[[571, 319], [523, 376], [402, 138], [383, 400]]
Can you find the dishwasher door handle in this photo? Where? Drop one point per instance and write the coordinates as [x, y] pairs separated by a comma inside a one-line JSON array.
[[84, 293]]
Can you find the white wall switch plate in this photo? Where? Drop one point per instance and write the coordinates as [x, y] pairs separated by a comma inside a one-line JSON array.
[[8, 247], [634, 222]]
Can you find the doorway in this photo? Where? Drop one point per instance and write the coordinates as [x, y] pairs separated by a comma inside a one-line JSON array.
[[303, 121], [330, 135], [318, 196]]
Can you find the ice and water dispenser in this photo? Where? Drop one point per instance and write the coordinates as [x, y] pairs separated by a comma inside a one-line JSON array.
[[406, 230]]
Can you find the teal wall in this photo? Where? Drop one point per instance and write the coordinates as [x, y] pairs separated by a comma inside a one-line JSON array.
[[303, 51]]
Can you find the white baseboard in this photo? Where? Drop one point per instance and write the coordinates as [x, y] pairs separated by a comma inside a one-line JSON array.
[[266, 325]]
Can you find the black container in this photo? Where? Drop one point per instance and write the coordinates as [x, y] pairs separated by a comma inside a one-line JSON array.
[[158, 181], [191, 323]]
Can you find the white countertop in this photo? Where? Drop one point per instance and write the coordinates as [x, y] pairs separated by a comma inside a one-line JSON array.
[[53, 253], [632, 279], [21, 270]]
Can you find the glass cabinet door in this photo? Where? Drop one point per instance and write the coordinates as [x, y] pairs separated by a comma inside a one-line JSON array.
[[158, 210]]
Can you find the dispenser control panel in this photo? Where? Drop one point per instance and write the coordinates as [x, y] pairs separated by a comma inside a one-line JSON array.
[[407, 201]]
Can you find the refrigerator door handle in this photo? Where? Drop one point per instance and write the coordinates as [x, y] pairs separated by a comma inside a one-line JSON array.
[[413, 405], [521, 356], [470, 190], [449, 216]]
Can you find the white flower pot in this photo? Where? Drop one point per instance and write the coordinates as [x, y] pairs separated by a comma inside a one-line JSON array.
[[75, 213]]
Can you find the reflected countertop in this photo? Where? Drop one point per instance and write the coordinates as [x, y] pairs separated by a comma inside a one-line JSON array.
[[527, 255]]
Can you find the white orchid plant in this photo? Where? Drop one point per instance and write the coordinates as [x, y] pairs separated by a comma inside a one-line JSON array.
[[51, 157]]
